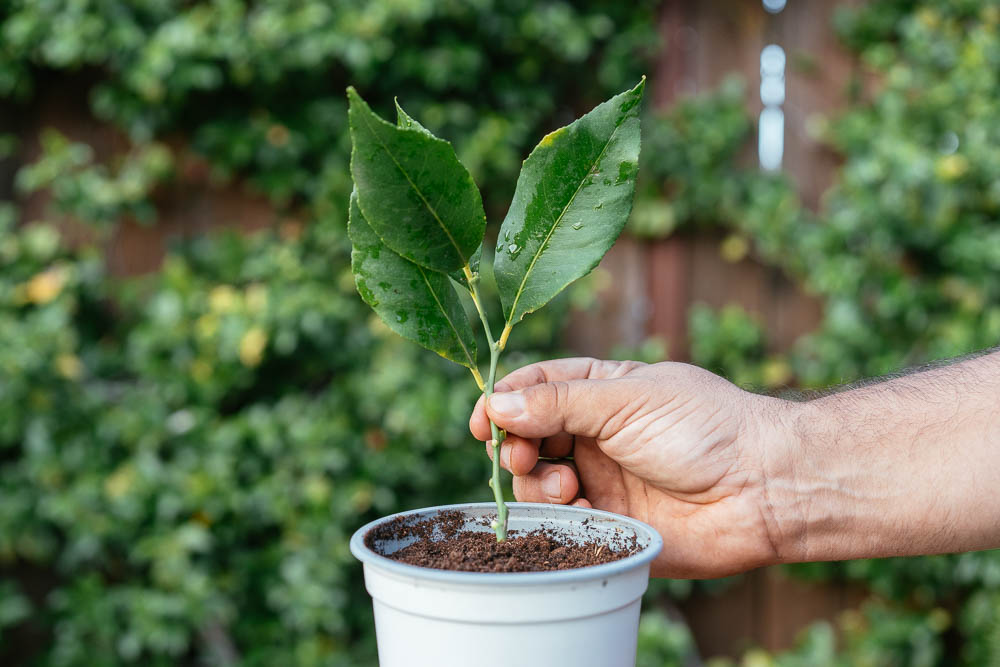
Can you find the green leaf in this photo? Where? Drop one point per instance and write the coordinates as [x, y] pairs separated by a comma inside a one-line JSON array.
[[413, 191], [573, 198], [406, 121], [418, 304]]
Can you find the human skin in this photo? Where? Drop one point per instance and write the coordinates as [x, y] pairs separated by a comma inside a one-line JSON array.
[[734, 480]]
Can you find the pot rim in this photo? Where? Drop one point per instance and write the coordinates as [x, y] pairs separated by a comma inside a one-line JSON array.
[[605, 570]]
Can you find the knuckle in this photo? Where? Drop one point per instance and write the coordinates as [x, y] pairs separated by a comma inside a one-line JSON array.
[[537, 374], [560, 394], [626, 367], [543, 398]]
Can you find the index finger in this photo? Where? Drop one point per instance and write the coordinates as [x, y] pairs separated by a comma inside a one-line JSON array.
[[553, 370]]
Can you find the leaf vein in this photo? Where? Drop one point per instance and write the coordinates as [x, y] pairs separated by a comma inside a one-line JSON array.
[[458, 336]]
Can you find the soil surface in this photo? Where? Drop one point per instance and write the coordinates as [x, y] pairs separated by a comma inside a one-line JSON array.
[[475, 551]]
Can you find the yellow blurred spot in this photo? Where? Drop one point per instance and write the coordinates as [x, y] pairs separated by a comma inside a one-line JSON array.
[[69, 366], [223, 299], [967, 296], [361, 499], [551, 137], [757, 658], [119, 482], [256, 297], [852, 621], [972, 55], [198, 484], [277, 135], [207, 325], [45, 286], [201, 370], [316, 489], [734, 248], [776, 372], [928, 17], [939, 619], [951, 167], [252, 346]]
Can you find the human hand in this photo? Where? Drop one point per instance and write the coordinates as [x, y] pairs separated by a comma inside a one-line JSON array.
[[669, 444]]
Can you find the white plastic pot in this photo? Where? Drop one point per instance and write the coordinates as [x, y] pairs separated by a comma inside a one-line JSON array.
[[586, 617]]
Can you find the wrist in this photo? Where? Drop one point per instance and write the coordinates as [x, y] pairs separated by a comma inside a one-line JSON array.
[[845, 489], [784, 508], [903, 467]]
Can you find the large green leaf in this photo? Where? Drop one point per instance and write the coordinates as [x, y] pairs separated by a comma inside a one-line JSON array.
[[573, 197], [413, 191], [417, 303]]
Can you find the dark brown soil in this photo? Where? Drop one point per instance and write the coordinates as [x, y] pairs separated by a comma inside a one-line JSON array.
[[473, 551]]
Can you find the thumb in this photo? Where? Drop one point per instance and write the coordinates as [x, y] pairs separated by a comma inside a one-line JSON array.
[[590, 408]]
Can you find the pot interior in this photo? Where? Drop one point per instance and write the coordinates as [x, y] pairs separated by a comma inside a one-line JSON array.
[[570, 524]]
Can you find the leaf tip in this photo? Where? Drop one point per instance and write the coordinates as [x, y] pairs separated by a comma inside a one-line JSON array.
[[354, 99]]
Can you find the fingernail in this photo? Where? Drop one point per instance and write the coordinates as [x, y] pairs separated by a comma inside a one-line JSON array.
[[505, 457], [508, 404], [552, 485]]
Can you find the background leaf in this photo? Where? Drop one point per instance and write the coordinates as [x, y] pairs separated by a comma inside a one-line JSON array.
[[418, 304], [413, 191], [573, 197]]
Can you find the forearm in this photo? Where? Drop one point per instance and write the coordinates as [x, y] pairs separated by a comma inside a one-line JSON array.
[[904, 467]]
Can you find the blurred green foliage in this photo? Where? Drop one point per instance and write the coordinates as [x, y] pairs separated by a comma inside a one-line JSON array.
[[906, 239], [183, 455]]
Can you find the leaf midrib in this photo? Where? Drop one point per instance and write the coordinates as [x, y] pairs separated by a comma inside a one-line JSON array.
[[545, 241], [458, 336], [413, 185]]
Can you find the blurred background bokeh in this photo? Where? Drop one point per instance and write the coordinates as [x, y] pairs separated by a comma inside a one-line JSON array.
[[196, 409]]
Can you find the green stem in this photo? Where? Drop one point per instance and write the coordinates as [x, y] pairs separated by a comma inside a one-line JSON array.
[[500, 524]]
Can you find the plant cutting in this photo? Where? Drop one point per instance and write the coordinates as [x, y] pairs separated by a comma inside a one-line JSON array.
[[417, 227]]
